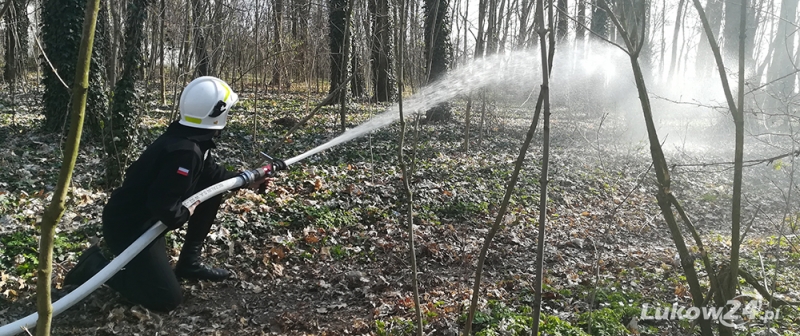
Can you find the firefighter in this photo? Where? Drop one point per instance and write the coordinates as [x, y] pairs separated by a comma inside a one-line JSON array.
[[174, 167]]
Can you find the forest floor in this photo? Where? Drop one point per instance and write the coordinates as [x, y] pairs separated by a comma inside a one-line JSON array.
[[325, 251]]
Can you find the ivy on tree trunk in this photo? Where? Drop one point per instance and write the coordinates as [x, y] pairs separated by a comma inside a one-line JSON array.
[[124, 115], [438, 50], [61, 36]]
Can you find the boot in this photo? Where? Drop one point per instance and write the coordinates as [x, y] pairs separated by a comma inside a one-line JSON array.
[[90, 263], [189, 266]]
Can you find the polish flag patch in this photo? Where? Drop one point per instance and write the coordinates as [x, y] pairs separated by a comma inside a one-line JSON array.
[[183, 171]]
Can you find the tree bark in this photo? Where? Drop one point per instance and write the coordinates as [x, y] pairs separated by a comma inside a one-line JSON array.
[[62, 21], [545, 93], [674, 58], [599, 23], [781, 63], [17, 23], [277, 45], [381, 54], [705, 58], [124, 115], [491, 28], [580, 30], [437, 51], [662, 171], [203, 67], [336, 27], [729, 288], [343, 70], [563, 24], [55, 210], [400, 41], [162, 76]]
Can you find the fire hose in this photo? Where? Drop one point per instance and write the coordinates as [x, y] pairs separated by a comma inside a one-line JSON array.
[[243, 179]]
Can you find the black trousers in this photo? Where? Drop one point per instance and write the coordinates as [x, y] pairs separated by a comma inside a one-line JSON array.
[[149, 280]]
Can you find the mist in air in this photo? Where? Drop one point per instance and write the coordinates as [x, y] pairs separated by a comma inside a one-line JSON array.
[[593, 81]]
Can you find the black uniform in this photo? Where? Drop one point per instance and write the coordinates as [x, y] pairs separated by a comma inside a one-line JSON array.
[[170, 170]]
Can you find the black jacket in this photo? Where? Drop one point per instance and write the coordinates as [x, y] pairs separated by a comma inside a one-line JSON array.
[[174, 167]]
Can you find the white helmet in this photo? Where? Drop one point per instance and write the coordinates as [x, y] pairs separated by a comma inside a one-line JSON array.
[[205, 103]]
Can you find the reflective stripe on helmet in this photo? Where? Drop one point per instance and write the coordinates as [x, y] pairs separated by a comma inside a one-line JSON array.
[[193, 120], [227, 90]]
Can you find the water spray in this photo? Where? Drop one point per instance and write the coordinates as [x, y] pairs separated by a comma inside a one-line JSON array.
[[497, 69]]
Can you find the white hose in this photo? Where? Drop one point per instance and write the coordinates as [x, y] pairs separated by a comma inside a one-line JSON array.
[[119, 261]]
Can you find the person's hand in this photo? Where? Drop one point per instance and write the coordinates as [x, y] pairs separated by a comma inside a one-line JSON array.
[[191, 207], [256, 185]]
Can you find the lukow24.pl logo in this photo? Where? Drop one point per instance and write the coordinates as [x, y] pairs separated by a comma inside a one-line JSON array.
[[734, 311]]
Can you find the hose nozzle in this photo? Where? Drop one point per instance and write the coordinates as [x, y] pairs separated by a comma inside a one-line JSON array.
[[277, 164]]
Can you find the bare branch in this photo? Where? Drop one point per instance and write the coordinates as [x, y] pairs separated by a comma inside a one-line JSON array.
[[592, 32]]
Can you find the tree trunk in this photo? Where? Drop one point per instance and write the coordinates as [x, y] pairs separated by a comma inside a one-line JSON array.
[[162, 77], [336, 26], [437, 51], [563, 25], [781, 63], [55, 210], [491, 28], [124, 114], [345, 50], [480, 40], [547, 53], [522, 39], [61, 22], [729, 289], [580, 30], [300, 17], [17, 23], [114, 36], [705, 59], [504, 40], [599, 24], [219, 22], [673, 60], [663, 49], [277, 45], [203, 67], [357, 83], [664, 193], [545, 94], [381, 55]]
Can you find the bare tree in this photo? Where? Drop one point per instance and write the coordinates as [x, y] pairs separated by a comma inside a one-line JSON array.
[[705, 59], [599, 23], [674, 56], [200, 51], [381, 53], [55, 210], [563, 24], [277, 46], [781, 63], [664, 195], [17, 23], [337, 22]]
